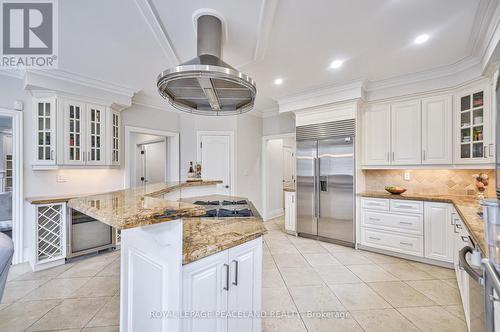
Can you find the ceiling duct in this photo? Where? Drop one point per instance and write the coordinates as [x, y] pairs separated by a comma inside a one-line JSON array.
[[207, 85]]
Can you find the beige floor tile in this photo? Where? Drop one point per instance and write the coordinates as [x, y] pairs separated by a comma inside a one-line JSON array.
[[310, 248], [358, 297], [322, 259], [351, 258], [371, 273], [271, 278], [332, 325], [265, 249], [15, 290], [331, 247], [456, 310], [399, 294], [101, 329], [282, 248], [433, 319], [277, 299], [299, 276], [45, 274], [290, 260], [435, 271], [451, 282], [268, 262], [4, 305], [383, 320], [381, 259], [111, 270], [18, 270], [336, 274], [301, 240], [57, 289], [109, 315], [20, 315], [85, 268], [437, 290], [283, 325], [98, 287], [315, 298], [405, 271], [70, 314]]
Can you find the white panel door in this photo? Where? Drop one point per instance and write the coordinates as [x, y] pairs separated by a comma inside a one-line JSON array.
[[206, 284], [215, 158], [74, 133], [245, 286], [377, 135], [406, 125], [437, 120], [438, 232]]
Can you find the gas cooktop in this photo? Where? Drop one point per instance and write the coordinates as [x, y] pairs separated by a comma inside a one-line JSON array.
[[226, 209]]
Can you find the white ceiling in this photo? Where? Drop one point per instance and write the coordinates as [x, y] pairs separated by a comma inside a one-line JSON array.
[[119, 41]]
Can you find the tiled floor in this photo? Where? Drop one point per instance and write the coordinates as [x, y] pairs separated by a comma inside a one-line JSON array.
[[314, 286]]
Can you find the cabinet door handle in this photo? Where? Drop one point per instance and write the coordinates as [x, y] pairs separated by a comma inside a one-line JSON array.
[[393, 156], [227, 277], [374, 219], [465, 238], [404, 206], [374, 238], [52, 154], [235, 282], [405, 223], [424, 156], [406, 244]]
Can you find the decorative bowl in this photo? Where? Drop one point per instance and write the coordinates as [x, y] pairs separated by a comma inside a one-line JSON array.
[[395, 190]]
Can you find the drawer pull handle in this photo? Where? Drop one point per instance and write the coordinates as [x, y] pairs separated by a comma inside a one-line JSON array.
[[458, 226], [404, 206], [405, 223], [373, 204], [374, 238], [374, 219], [465, 238], [406, 244]]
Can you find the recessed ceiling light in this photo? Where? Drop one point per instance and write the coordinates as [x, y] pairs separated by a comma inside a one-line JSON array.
[[278, 81], [336, 64], [422, 39]]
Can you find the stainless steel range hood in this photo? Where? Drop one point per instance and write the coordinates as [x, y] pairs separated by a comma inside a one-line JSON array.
[[207, 85]]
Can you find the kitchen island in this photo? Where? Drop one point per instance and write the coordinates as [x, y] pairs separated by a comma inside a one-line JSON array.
[[182, 269]]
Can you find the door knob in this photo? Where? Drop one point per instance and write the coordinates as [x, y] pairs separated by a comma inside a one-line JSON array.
[[226, 186]]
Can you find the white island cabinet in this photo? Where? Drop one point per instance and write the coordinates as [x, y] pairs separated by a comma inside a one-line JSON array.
[[214, 293]]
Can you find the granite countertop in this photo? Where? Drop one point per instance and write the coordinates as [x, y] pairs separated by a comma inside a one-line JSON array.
[[206, 236], [466, 206], [138, 206], [292, 190]]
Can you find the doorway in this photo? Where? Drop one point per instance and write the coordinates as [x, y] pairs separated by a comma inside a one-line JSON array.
[[215, 153], [11, 179], [152, 156], [278, 165]]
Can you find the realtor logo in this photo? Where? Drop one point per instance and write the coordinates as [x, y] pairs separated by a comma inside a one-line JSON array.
[[29, 34]]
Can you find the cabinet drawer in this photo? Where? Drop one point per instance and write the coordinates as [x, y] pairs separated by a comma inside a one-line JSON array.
[[375, 203], [406, 244], [404, 206], [412, 223]]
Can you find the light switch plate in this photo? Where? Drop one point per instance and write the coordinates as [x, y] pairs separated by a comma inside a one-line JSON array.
[[407, 176], [61, 178]]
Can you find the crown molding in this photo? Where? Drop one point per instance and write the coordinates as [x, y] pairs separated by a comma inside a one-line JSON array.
[[480, 25], [151, 16], [14, 73]]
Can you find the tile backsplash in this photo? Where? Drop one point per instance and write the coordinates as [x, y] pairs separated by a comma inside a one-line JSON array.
[[430, 181]]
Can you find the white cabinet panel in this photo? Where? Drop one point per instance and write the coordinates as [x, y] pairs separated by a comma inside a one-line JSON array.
[[397, 242], [245, 286], [74, 132], [95, 135], [406, 133], [410, 224], [377, 135], [404, 206], [290, 212], [438, 232], [205, 288], [375, 204], [437, 143], [45, 124]]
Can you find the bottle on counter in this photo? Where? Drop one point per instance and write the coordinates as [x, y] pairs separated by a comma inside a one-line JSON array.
[[191, 173]]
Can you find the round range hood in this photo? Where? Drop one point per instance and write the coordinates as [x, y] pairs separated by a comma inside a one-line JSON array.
[[207, 85]]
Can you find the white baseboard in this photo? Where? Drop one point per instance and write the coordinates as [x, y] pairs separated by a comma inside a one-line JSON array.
[[274, 214]]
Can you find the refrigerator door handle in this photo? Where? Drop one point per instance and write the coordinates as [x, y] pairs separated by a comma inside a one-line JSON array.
[[315, 185], [318, 188]]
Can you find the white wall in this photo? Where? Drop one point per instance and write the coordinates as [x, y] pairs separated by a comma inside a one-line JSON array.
[[274, 175], [283, 123]]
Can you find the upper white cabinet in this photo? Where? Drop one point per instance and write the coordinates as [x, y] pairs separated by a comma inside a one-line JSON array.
[[377, 135], [406, 133], [437, 130], [45, 147], [474, 127], [75, 133]]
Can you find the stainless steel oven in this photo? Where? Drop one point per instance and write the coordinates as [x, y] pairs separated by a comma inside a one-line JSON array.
[[87, 235]]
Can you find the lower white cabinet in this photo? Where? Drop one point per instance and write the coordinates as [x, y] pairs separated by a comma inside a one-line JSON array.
[[290, 212], [229, 283], [438, 232]]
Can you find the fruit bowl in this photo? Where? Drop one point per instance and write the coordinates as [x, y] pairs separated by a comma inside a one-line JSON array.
[[395, 190]]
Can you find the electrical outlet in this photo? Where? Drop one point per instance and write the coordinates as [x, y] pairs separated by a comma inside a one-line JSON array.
[[61, 178], [407, 176]]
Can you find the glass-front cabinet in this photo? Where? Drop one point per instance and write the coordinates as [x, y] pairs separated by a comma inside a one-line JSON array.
[[474, 126], [75, 133]]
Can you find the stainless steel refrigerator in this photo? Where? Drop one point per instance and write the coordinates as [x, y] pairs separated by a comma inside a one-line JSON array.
[[325, 185]]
